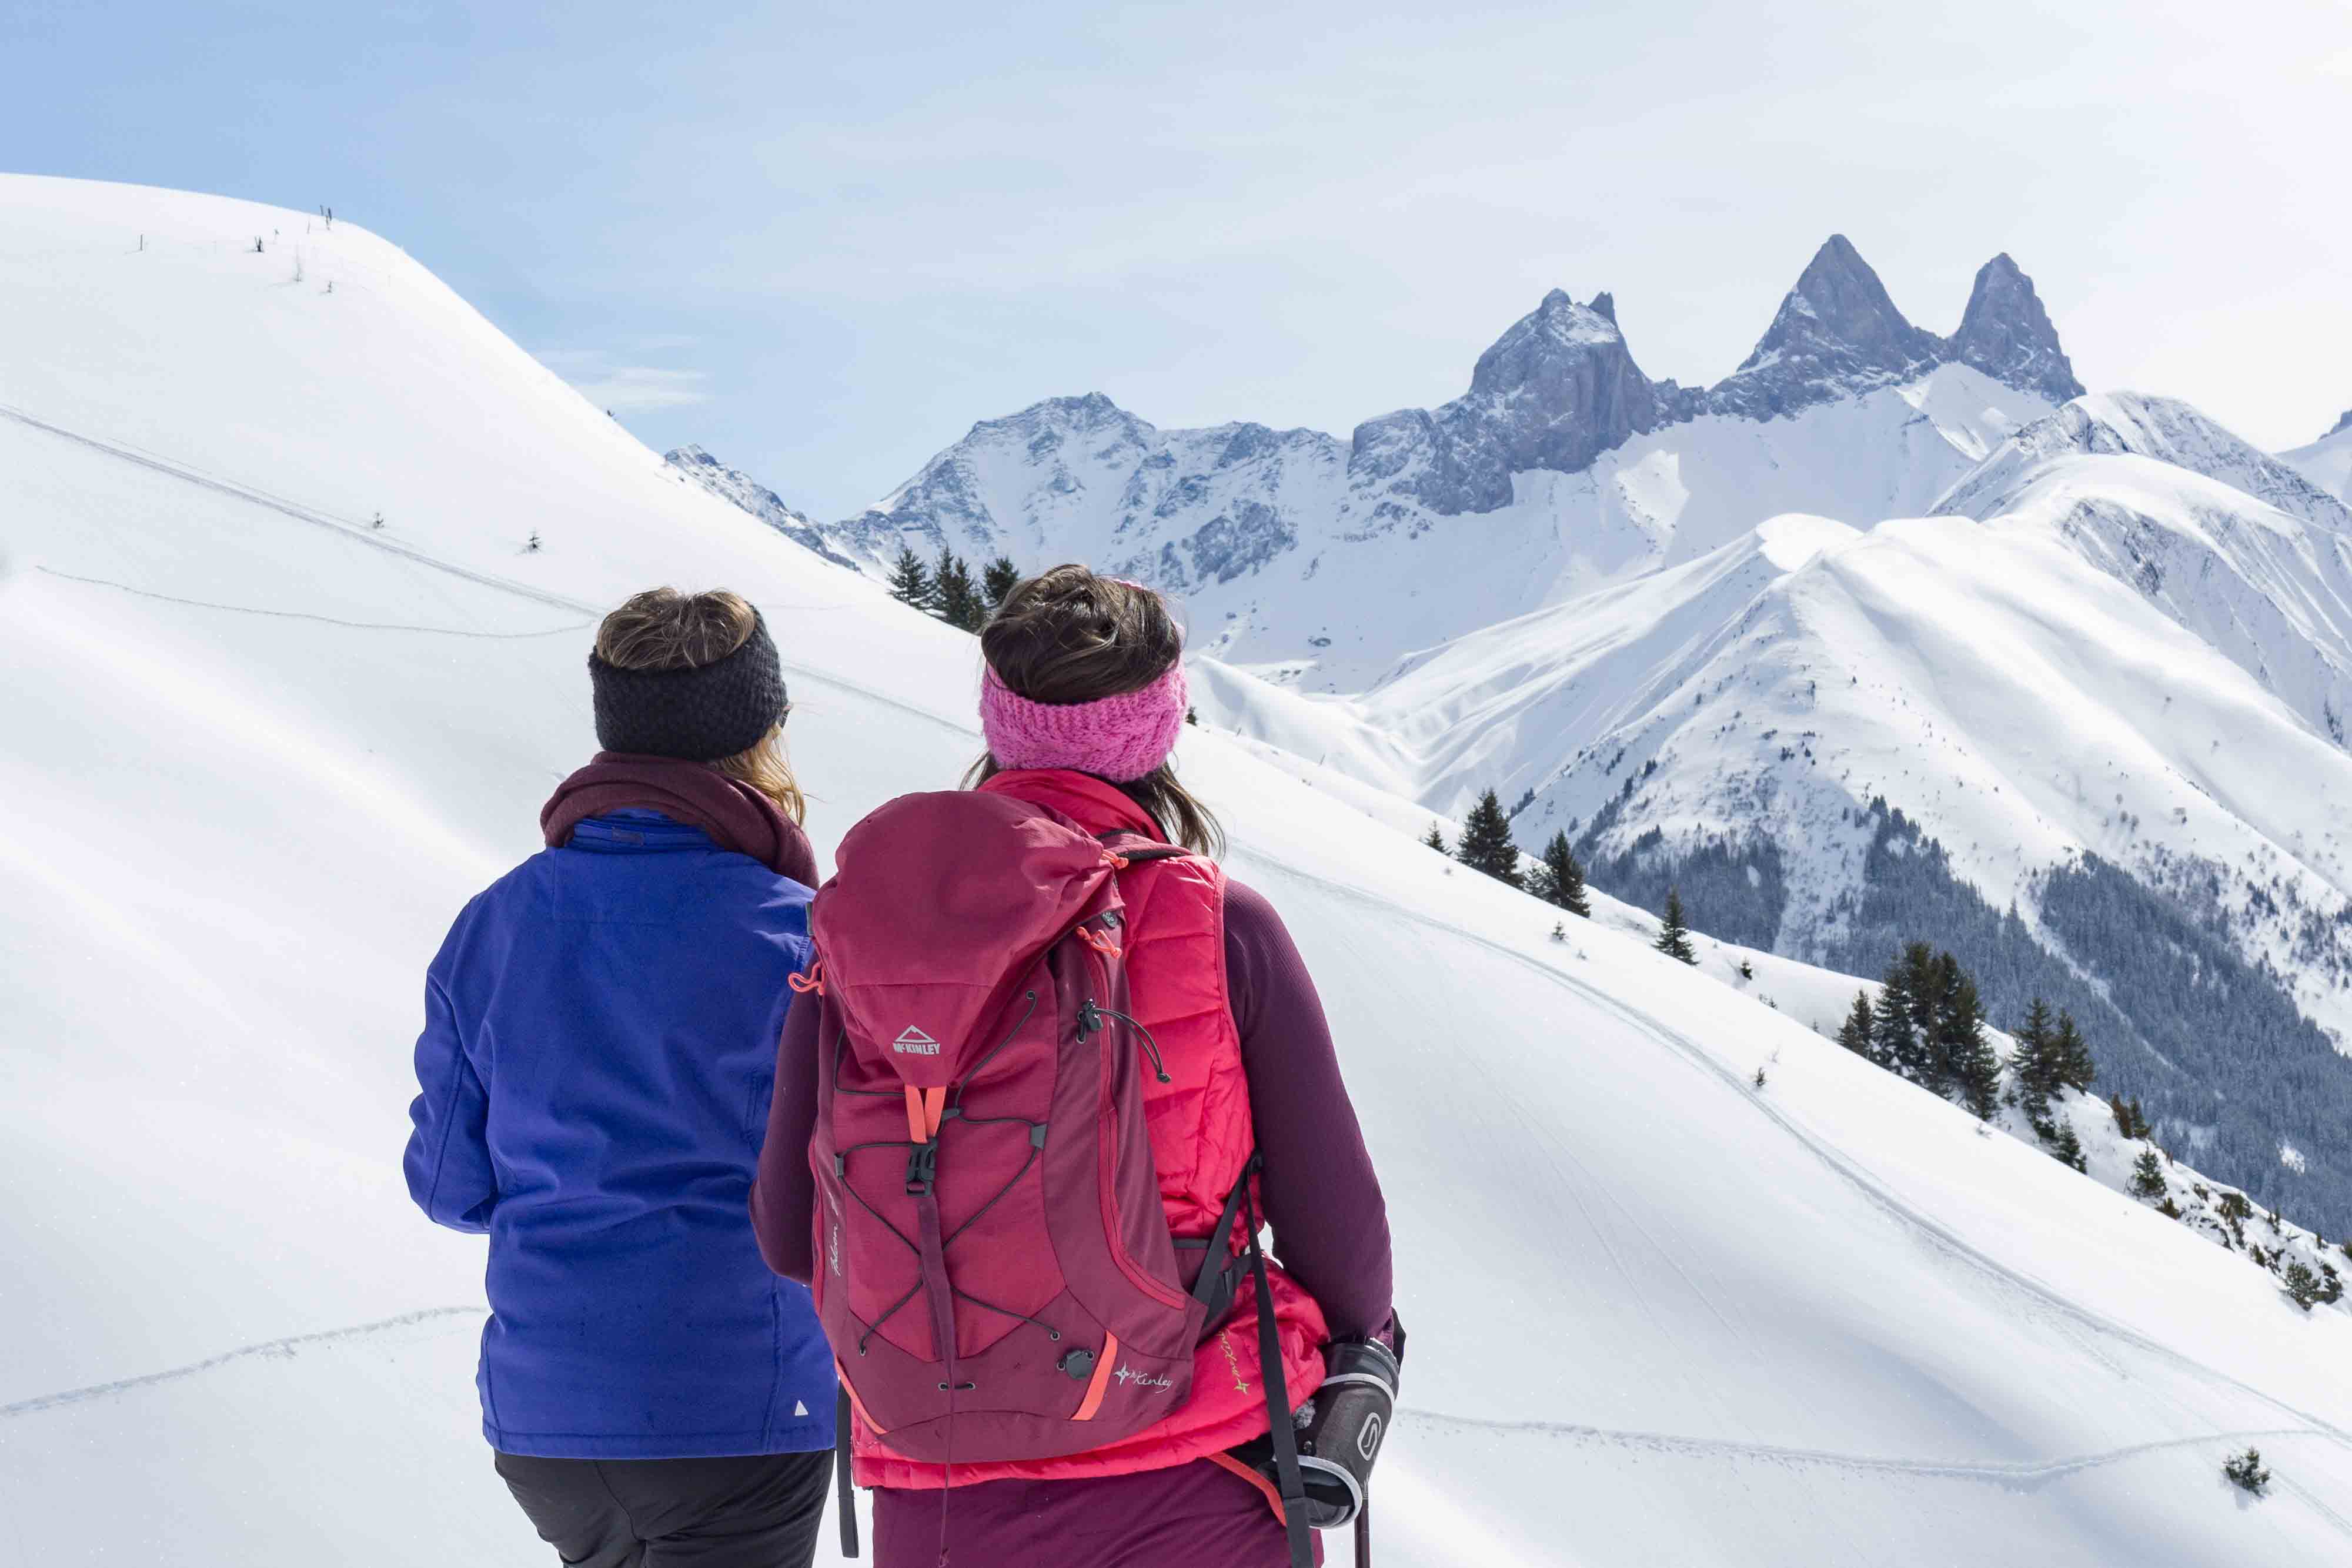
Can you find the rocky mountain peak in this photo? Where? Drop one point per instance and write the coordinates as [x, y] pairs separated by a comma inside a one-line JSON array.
[[2341, 425], [1836, 331], [1557, 331], [1554, 390], [2005, 333], [1604, 304]]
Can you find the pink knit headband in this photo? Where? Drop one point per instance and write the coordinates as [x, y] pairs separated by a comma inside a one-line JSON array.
[[1120, 737]]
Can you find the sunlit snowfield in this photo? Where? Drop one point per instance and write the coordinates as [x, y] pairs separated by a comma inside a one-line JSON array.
[[258, 751]]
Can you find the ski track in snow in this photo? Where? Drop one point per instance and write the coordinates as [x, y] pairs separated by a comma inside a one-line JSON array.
[[296, 510], [2026, 1475], [2023, 1474], [306, 615], [316, 517], [369, 537], [1876, 1192], [274, 1347]]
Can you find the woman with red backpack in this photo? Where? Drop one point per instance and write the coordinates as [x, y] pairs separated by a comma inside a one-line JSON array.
[[1061, 1070]]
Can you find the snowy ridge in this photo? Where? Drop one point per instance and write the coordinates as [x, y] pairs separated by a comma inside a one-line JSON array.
[[1563, 468], [2018, 690], [2232, 544], [2327, 461], [739, 489], [1823, 1321]]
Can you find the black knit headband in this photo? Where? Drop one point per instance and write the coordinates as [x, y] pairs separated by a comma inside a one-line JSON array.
[[699, 714]]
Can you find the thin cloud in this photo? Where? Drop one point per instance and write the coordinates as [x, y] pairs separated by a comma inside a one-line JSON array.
[[631, 388]]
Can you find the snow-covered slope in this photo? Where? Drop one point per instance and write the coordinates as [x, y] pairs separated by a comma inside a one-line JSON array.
[[258, 752], [2231, 543], [1821, 998], [2009, 688], [2327, 461], [1563, 468]]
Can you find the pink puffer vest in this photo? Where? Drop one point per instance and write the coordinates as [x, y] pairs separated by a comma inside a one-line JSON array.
[[1200, 1135]]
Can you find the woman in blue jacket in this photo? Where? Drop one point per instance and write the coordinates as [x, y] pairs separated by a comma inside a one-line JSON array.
[[599, 1050]]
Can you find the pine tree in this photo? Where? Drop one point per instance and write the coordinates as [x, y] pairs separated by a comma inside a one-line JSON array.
[[998, 578], [2067, 1149], [1436, 841], [1486, 841], [911, 580], [2033, 1065], [1975, 1066], [1906, 1028], [2148, 1175], [2130, 1120], [1890, 1025], [1854, 1033], [955, 598], [1558, 879], [1674, 935], [1962, 1061], [2071, 1055]]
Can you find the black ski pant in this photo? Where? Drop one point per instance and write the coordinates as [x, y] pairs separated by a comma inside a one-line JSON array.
[[760, 1511]]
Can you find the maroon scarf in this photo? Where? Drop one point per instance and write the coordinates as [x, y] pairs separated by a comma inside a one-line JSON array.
[[736, 816]]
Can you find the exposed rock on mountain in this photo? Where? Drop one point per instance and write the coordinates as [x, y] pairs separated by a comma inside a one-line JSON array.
[[1835, 334], [1563, 467], [738, 488], [1555, 392], [2005, 333]]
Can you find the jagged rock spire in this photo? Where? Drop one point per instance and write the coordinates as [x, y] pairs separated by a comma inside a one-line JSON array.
[[2005, 333], [2341, 425], [1836, 332], [1556, 390]]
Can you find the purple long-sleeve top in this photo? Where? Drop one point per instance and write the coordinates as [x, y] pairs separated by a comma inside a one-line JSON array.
[[1331, 1223]]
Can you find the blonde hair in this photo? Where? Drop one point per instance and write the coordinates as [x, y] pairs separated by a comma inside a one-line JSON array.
[[663, 629]]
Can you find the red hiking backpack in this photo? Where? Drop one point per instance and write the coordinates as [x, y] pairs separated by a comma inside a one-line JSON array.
[[993, 1266]]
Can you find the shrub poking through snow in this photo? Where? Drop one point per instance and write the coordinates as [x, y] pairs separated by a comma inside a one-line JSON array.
[[2302, 1286], [2245, 1472]]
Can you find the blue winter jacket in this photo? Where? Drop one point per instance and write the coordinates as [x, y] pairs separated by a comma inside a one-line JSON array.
[[599, 1046]]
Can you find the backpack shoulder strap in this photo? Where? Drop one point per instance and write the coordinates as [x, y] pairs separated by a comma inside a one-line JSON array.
[[1133, 847]]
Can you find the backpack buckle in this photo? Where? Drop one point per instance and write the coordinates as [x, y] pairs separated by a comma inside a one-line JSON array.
[[922, 1168]]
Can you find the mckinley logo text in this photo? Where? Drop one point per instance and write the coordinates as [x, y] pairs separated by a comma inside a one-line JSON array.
[[915, 1042]]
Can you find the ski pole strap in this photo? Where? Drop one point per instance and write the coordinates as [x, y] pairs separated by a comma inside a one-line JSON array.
[[844, 1488], [1278, 1396]]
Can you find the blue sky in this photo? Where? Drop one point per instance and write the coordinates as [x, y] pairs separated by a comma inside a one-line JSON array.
[[822, 241]]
